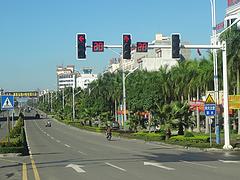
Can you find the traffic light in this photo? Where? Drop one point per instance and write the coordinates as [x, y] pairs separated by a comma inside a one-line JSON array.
[[175, 46], [81, 46], [126, 46]]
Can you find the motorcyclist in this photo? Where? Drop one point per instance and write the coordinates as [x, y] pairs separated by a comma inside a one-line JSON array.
[[109, 132]]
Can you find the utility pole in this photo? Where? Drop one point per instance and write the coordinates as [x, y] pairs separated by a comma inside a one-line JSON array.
[[215, 74], [63, 97], [73, 103]]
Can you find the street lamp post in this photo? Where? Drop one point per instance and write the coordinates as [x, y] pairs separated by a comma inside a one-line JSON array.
[[215, 63], [124, 93], [51, 101], [73, 105], [124, 96], [225, 97], [63, 97]]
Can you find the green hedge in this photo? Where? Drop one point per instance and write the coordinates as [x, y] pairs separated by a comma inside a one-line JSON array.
[[12, 149], [89, 128], [18, 144], [195, 139], [149, 136]]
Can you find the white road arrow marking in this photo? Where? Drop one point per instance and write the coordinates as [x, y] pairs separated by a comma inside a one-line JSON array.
[[158, 165], [76, 167], [225, 161]]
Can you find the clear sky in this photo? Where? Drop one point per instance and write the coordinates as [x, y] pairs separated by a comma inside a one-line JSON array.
[[37, 36]]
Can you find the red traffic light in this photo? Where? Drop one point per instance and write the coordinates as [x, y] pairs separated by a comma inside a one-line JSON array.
[[126, 38], [81, 46]]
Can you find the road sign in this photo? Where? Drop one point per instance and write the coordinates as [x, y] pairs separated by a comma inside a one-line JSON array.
[[209, 100], [210, 109], [209, 106], [7, 102]]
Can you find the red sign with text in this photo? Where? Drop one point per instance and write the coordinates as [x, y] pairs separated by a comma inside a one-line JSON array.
[[98, 46], [142, 47]]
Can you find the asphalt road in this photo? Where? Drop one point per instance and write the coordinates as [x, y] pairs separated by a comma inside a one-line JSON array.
[[62, 152]]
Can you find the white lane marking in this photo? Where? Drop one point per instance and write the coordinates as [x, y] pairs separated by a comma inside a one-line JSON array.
[[67, 145], [58, 141], [52, 137], [82, 153], [48, 135], [198, 164], [76, 168], [115, 166], [226, 161], [158, 165]]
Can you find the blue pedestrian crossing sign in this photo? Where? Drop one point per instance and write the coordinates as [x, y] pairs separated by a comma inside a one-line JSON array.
[[209, 106], [7, 102]]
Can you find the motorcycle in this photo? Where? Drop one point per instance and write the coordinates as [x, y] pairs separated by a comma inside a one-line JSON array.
[[109, 136]]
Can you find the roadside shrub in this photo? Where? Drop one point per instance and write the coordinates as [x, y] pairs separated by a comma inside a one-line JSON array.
[[13, 142], [149, 136], [195, 139], [188, 134], [16, 131]]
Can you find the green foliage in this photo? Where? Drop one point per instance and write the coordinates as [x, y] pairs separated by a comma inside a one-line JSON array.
[[149, 136], [16, 131], [188, 134], [14, 142], [195, 139]]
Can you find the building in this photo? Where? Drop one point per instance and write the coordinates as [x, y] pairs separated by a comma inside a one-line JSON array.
[[66, 77], [232, 13], [69, 77], [85, 78], [154, 59]]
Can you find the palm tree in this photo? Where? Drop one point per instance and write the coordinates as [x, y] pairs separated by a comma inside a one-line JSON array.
[[232, 37]]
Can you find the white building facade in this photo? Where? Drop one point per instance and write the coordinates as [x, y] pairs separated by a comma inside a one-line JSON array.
[[85, 78], [232, 13], [66, 77]]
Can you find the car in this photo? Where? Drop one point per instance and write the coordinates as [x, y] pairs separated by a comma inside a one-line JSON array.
[[48, 124]]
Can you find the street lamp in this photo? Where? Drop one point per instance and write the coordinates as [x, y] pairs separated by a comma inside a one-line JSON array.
[[73, 105], [225, 91], [215, 63], [124, 93]]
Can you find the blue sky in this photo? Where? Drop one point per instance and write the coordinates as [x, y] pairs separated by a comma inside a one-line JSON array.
[[37, 36]]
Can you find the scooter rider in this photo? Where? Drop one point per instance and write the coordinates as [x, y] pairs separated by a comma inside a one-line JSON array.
[[109, 132]]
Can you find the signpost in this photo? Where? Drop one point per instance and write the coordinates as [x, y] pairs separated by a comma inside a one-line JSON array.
[[210, 111], [7, 103]]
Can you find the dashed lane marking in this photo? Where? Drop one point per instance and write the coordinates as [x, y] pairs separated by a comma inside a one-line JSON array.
[[67, 145], [82, 153], [199, 164], [109, 164]]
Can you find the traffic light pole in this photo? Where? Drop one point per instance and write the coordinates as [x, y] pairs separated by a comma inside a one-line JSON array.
[[124, 95]]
